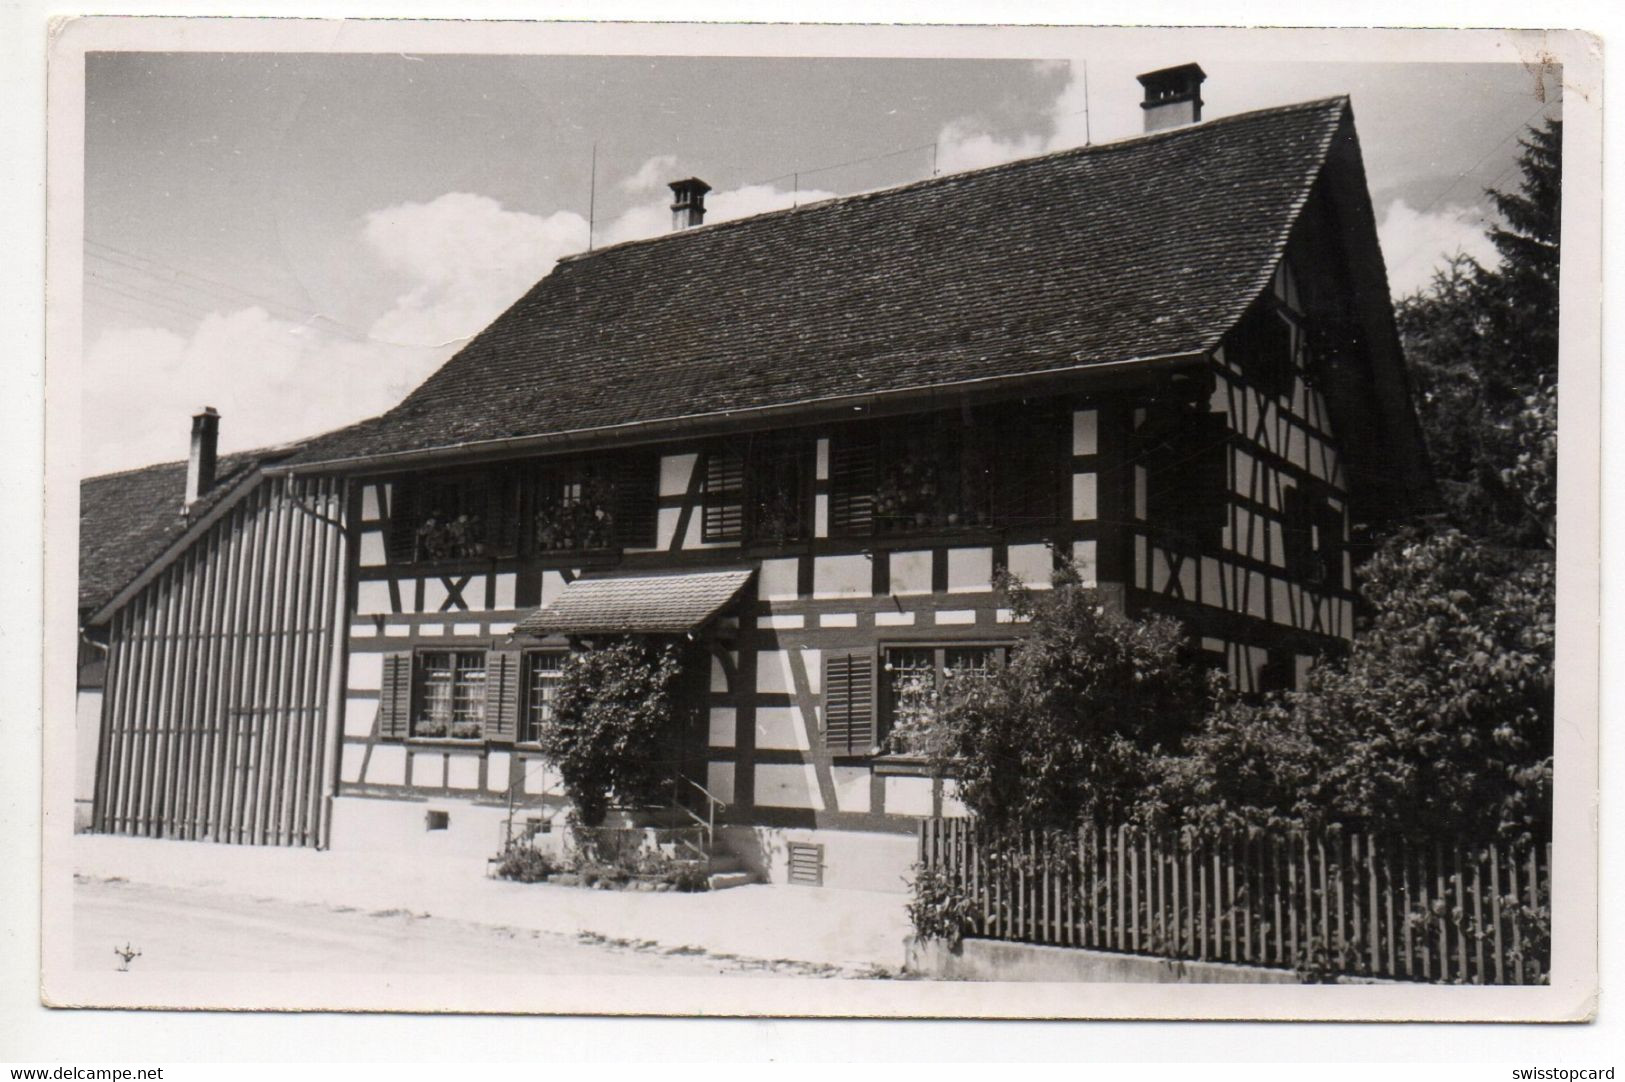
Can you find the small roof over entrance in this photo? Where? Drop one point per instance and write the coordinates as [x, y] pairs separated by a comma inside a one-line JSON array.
[[650, 603]]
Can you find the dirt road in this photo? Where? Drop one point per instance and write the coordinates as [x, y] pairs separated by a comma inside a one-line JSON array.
[[179, 930]]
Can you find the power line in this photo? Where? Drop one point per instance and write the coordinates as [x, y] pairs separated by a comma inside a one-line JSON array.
[[324, 323], [1524, 123], [174, 307]]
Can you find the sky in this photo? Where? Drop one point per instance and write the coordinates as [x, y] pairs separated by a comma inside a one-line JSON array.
[[300, 239]]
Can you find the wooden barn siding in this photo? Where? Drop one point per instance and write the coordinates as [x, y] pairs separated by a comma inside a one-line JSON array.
[[214, 719]]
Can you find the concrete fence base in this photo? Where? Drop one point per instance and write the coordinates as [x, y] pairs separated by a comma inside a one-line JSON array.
[[996, 960]]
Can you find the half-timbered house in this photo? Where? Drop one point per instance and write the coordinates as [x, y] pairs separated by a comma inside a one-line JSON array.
[[810, 440]]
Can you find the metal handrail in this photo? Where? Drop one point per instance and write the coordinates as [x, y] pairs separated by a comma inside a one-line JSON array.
[[712, 804]]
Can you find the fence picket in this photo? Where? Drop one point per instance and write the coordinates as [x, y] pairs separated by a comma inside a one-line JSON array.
[[1265, 900]]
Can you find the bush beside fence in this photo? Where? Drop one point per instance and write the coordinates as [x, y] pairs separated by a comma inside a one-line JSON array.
[[1328, 906]]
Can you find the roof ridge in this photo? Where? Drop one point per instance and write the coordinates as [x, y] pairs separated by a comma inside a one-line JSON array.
[[1116, 145], [270, 451]]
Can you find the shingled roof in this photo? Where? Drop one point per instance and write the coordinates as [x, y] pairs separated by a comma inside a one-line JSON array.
[[1146, 248], [128, 519], [664, 603]]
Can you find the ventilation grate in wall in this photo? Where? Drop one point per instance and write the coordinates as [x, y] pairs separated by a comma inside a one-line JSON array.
[[806, 863]]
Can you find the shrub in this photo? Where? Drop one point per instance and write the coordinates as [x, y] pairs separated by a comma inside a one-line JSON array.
[[1072, 727], [523, 864], [616, 722], [938, 906]]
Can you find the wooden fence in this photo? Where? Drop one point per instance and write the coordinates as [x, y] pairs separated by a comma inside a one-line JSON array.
[[1338, 904]]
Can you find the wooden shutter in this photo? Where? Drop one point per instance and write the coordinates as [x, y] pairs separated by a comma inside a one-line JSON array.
[[1027, 459], [501, 513], [395, 697], [637, 499], [1210, 475], [724, 495], [502, 695], [403, 520], [1329, 543], [849, 703], [852, 483]]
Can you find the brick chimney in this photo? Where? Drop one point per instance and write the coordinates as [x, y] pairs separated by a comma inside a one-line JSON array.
[[1173, 96], [200, 463], [688, 203]]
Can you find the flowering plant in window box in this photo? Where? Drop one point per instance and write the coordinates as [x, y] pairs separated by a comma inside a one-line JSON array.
[[461, 537], [583, 521], [429, 727], [777, 518], [465, 730]]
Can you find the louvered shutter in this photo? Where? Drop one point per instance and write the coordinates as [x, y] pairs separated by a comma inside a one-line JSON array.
[[852, 483], [849, 703], [724, 495], [403, 520], [637, 499], [395, 697], [502, 695]]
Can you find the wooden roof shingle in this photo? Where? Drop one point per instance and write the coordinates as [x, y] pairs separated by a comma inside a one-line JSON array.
[[1146, 248]]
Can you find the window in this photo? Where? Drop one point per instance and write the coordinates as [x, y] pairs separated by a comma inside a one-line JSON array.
[[453, 517], [758, 489], [997, 466], [916, 681], [587, 505], [575, 507], [932, 475], [543, 671], [450, 694], [780, 480], [1314, 538], [1263, 345], [1187, 459]]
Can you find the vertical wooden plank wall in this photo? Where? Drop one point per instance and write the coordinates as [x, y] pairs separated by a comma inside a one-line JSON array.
[[216, 710]]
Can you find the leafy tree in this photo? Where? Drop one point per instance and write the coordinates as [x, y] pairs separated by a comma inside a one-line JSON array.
[[1439, 721], [616, 721], [1072, 727], [1482, 347]]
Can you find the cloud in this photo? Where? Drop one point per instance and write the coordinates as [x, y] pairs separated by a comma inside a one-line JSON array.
[[652, 175], [962, 145], [967, 143], [1416, 244], [464, 258], [470, 259]]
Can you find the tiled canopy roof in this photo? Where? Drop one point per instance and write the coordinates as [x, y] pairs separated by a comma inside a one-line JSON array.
[[1150, 247], [128, 519], [648, 604]]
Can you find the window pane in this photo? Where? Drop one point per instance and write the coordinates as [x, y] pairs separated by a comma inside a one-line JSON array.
[[437, 675], [977, 661], [468, 696], [540, 691]]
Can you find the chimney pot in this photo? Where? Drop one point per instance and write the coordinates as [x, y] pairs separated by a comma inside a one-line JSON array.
[[200, 463], [1173, 96], [688, 203]]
